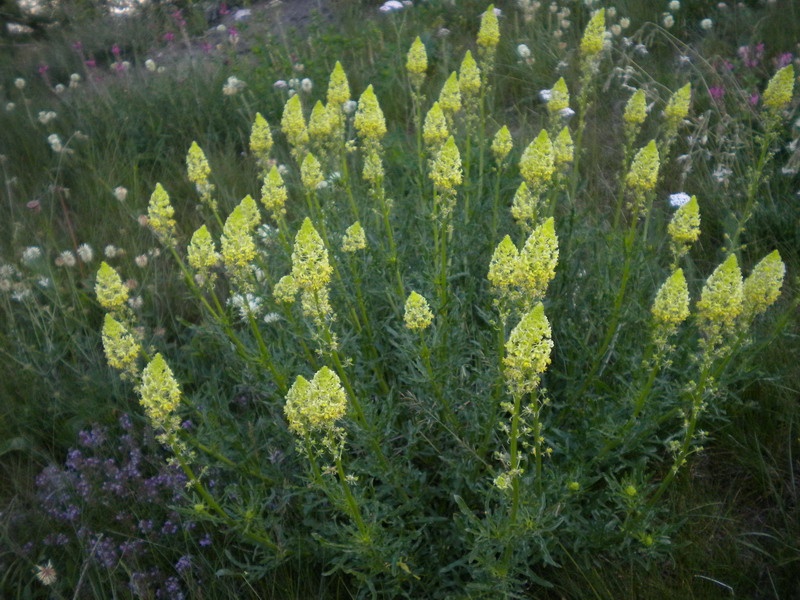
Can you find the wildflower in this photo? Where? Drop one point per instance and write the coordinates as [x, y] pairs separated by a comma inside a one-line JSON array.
[[320, 124], [417, 63], [720, 301], [354, 238], [592, 41], [679, 199], [285, 290], [706, 24], [763, 286], [391, 6], [469, 78], [524, 205], [273, 194], [141, 261], [109, 289], [66, 259], [55, 142], [624, 22], [160, 396], [150, 65], [159, 216], [684, 227], [434, 130], [563, 148], [503, 267], [199, 172], [677, 107], [450, 96], [369, 121], [280, 84], [674, 5], [502, 144], [489, 32], [338, 87], [120, 347], [238, 247], [233, 86], [643, 174], [559, 97], [317, 405], [10, 106], [260, 140], [30, 254], [19, 83], [349, 107], [45, 573], [311, 173], [780, 89], [636, 108], [446, 168], [671, 305], [668, 21], [74, 80], [293, 125], [202, 254], [310, 267], [85, 253], [537, 162], [523, 51], [120, 193], [537, 261], [418, 315], [528, 352], [247, 304], [59, 88], [45, 116]]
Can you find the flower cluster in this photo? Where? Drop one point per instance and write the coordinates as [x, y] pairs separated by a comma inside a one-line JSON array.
[[418, 315], [314, 407], [159, 216], [527, 352], [199, 172]]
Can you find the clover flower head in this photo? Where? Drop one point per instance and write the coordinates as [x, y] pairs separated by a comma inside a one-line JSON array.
[[450, 96], [110, 291], [593, 35], [315, 406], [320, 123], [273, 193], [684, 227], [338, 86], [434, 130], [537, 261], [559, 97], [643, 174], [417, 63], [446, 168], [528, 352], [763, 286], [310, 267], [721, 299], [780, 89], [159, 216], [120, 346], [260, 139], [636, 108], [677, 108], [563, 148], [671, 305], [489, 32], [311, 173], [354, 238], [537, 162], [502, 144], [160, 395], [418, 315], [469, 76], [503, 266], [369, 120]]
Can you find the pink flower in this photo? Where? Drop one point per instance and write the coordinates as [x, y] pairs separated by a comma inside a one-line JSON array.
[[223, 9], [77, 46], [206, 47], [43, 69], [753, 99], [169, 36], [115, 50], [91, 63], [783, 59], [717, 92]]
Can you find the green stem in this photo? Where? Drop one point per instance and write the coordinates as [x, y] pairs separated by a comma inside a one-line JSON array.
[[514, 466], [355, 510]]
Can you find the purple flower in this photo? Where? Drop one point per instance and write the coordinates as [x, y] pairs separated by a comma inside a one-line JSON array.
[[717, 92], [205, 541], [115, 50], [43, 69], [169, 36], [184, 563], [77, 46], [91, 63], [753, 99], [783, 59]]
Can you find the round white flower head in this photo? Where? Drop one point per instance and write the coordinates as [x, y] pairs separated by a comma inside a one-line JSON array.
[[674, 5], [706, 24], [280, 84], [679, 199], [669, 21], [566, 113], [523, 51], [120, 193], [545, 95], [391, 6], [306, 85], [19, 83], [150, 65]]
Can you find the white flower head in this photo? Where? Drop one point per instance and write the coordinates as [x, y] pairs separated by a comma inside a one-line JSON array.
[[233, 86], [66, 259], [679, 199], [30, 254], [306, 85], [391, 6], [668, 21], [111, 251], [150, 65], [19, 83], [706, 24], [120, 193], [523, 51], [349, 107], [59, 89], [46, 573], [674, 5], [10, 106], [545, 95], [280, 84], [55, 142], [566, 112], [85, 253]]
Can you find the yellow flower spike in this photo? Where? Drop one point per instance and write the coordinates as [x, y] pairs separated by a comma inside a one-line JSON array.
[[315, 406], [763, 286], [528, 352], [721, 300], [469, 78], [197, 165], [285, 290], [369, 121], [250, 212], [434, 130], [684, 227], [260, 139], [293, 125], [671, 305], [502, 144], [559, 97], [489, 32], [160, 395], [354, 238], [317, 306], [780, 89], [159, 216], [110, 291], [238, 247], [203, 255], [503, 266], [450, 96], [594, 34], [636, 108], [677, 108], [537, 262], [446, 168], [418, 315], [320, 125], [310, 267], [563, 148], [311, 173], [273, 193], [338, 86], [417, 63], [644, 170], [537, 162], [120, 347], [373, 166], [524, 207]]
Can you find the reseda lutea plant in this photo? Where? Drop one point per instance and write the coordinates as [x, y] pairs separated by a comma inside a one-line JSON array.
[[426, 436]]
